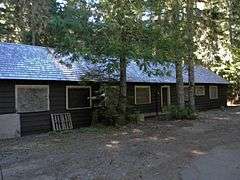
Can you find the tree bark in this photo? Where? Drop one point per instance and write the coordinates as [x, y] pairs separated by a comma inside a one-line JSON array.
[[179, 83], [178, 59], [191, 84], [33, 37], [190, 19], [33, 32], [231, 21], [123, 90]]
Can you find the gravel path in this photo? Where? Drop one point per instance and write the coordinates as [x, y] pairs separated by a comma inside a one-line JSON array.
[[150, 150]]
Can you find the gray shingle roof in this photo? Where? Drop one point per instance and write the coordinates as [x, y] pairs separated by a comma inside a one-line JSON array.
[[26, 62]]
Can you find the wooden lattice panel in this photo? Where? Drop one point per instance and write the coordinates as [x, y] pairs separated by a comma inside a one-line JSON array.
[[61, 121]]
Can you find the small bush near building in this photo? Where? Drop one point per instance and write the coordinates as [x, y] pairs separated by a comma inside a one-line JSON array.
[[107, 112], [177, 113], [134, 115]]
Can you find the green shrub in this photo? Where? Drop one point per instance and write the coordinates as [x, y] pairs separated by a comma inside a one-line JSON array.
[[175, 112], [134, 116]]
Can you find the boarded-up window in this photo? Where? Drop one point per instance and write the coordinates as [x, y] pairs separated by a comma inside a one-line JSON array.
[[186, 93], [78, 97], [213, 92], [200, 90], [142, 95], [32, 98]]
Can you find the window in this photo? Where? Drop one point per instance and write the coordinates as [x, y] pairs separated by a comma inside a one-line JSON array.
[[200, 90], [142, 95], [32, 98], [78, 97], [213, 92], [186, 94]]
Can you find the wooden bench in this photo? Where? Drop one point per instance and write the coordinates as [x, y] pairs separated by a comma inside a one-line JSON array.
[[62, 121]]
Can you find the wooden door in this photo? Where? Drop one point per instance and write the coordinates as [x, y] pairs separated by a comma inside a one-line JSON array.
[[165, 96]]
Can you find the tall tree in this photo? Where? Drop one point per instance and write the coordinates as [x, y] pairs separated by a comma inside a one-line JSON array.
[[9, 24], [167, 18], [220, 39], [178, 34], [123, 36], [190, 46], [110, 32], [25, 20]]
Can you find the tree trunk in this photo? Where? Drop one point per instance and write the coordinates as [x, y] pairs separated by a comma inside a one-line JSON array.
[[178, 60], [33, 24], [231, 22], [179, 83], [123, 90], [190, 19], [33, 37], [191, 84]]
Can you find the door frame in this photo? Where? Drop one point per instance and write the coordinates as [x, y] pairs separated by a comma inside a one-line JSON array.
[[169, 95]]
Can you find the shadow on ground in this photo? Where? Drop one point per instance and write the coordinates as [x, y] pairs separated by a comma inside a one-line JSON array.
[[151, 150]]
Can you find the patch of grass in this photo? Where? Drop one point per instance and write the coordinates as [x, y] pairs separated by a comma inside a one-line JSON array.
[[57, 133], [98, 129]]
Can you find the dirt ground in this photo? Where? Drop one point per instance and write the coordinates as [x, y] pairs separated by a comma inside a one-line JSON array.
[[207, 148]]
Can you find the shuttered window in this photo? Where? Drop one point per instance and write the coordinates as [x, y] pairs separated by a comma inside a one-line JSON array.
[[78, 97], [213, 92], [200, 90], [142, 95], [32, 98]]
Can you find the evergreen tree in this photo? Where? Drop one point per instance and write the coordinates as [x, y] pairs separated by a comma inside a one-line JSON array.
[[25, 20], [190, 48], [110, 32]]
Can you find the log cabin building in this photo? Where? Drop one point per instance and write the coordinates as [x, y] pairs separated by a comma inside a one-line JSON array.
[[35, 83]]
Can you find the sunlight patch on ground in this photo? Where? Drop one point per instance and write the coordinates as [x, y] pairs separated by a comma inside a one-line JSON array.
[[221, 118], [198, 152], [137, 131], [113, 144], [236, 113], [168, 139]]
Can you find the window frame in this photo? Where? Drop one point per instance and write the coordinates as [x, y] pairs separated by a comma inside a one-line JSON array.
[[212, 98], [143, 87], [31, 86], [79, 87], [203, 94]]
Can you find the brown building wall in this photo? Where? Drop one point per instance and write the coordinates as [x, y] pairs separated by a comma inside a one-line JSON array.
[[39, 122]]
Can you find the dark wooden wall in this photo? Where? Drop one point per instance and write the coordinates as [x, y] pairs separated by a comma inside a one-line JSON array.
[[7, 97], [39, 122], [202, 102], [205, 103]]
